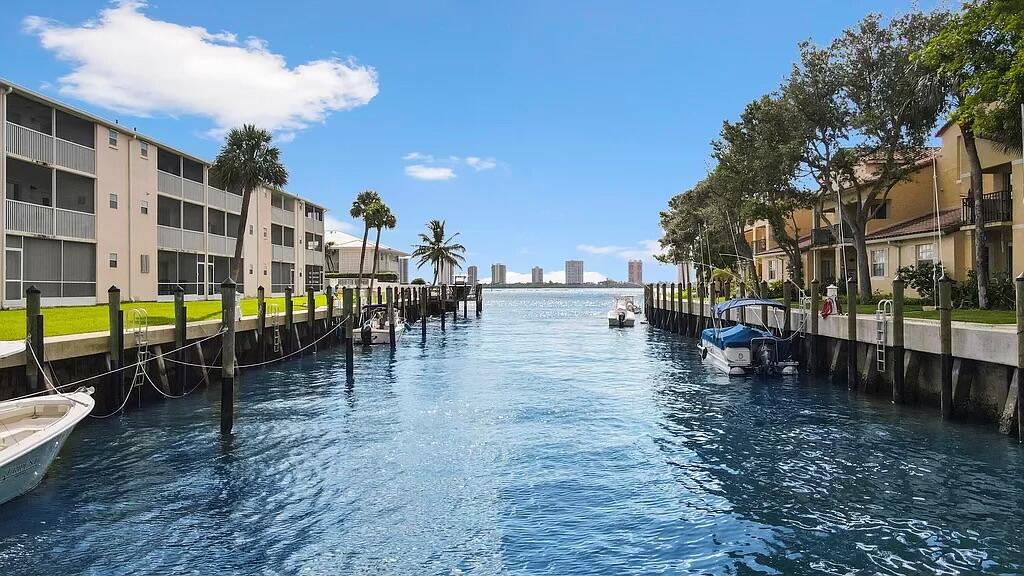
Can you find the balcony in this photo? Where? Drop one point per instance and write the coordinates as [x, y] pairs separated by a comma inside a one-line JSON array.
[[315, 226], [220, 245], [49, 150], [314, 258], [44, 220], [829, 235], [167, 237], [226, 201], [281, 216], [168, 183], [996, 206], [194, 191], [760, 246], [283, 253]]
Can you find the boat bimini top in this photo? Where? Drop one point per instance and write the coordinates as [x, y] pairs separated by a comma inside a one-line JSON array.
[[720, 309]]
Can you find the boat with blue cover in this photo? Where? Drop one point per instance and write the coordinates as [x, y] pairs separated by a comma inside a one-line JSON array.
[[742, 349]]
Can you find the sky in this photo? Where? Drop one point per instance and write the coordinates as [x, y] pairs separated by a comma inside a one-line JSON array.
[[539, 131]]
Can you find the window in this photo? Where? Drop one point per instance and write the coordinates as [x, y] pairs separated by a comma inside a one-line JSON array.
[[772, 270], [144, 263], [878, 258], [112, 137], [925, 253], [113, 259], [144, 206], [192, 216], [75, 192], [250, 229], [144, 149], [881, 210], [113, 201], [216, 222], [168, 212], [232, 225]]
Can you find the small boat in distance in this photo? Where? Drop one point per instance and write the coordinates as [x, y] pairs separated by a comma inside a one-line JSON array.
[[742, 349], [623, 312], [32, 431], [375, 326]]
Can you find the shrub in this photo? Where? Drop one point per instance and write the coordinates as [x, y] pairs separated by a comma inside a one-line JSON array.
[[921, 278], [418, 281]]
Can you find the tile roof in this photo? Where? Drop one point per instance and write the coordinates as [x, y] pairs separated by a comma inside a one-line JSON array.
[[949, 220]]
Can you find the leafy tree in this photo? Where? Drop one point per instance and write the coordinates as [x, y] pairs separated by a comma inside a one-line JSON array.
[[438, 249], [379, 216], [868, 107], [329, 256], [245, 163], [974, 56], [761, 153], [363, 201]]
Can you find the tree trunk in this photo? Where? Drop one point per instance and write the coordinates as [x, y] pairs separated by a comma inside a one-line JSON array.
[[238, 266], [978, 197], [362, 255], [376, 247], [863, 265]]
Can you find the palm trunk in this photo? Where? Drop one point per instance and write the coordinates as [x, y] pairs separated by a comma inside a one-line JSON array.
[[362, 255], [376, 247], [238, 265], [978, 197]]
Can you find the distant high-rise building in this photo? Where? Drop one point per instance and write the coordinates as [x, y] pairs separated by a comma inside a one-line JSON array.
[[537, 275], [471, 275], [446, 274], [636, 272], [403, 269], [497, 273], [574, 271]]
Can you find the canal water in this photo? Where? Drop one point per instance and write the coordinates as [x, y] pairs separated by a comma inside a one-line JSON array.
[[535, 440]]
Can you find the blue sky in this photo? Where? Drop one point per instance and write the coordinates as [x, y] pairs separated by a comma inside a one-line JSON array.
[[541, 131]]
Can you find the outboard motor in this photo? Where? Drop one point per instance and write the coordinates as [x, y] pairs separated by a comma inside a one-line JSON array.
[[765, 354], [366, 334], [622, 319]]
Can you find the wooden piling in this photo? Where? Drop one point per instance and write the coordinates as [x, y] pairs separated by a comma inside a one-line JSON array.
[[479, 298], [444, 299], [787, 305], [852, 373], [391, 317], [329, 323], [311, 315], [116, 345], [700, 312], [946, 345], [1019, 284], [380, 295], [811, 364], [764, 309], [180, 337], [743, 294], [423, 312], [672, 307], [688, 328], [898, 350], [289, 325], [348, 317], [33, 298], [227, 356]]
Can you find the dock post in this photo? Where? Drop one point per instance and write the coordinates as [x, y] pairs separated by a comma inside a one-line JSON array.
[[787, 305], [688, 329], [946, 345], [347, 315], [1019, 283], [672, 307], [329, 323], [812, 338], [116, 345], [423, 312], [444, 299], [227, 355], [726, 292], [700, 311], [288, 318], [311, 314], [391, 317], [32, 307], [479, 300], [764, 309], [465, 301], [852, 374], [898, 351], [180, 337], [712, 300], [380, 295], [261, 323], [743, 294]]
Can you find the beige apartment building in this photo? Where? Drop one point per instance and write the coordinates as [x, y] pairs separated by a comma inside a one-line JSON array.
[[89, 204]]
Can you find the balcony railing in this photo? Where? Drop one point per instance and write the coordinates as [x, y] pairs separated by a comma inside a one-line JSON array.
[[828, 235], [315, 226], [167, 237], [35, 219], [283, 253], [314, 258], [220, 245], [760, 246], [45, 148], [279, 216], [997, 207], [194, 191], [168, 183]]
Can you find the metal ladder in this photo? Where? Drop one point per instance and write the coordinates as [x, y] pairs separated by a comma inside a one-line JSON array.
[[273, 311], [882, 314], [139, 320]]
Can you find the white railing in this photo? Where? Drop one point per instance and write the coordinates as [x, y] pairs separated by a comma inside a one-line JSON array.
[[35, 219], [279, 216], [167, 237], [220, 245], [192, 240], [194, 191], [233, 202], [30, 218], [72, 224], [283, 253], [216, 198], [315, 226], [74, 156], [168, 183], [314, 258], [29, 143]]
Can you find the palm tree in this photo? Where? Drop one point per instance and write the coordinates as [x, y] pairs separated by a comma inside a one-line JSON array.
[[437, 249], [329, 256], [379, 216], [364, 200], [246, 162]]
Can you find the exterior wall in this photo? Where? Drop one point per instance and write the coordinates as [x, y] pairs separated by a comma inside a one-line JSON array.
[[112, 225], [142, 227]]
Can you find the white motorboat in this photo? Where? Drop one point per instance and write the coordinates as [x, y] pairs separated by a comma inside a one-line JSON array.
[[375, 326], [32, 430], [741, 349], [623, 312]]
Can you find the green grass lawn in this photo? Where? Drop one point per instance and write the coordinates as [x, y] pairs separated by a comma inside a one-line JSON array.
[[79, 319]]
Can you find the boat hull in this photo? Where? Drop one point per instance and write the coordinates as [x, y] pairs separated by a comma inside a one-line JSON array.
[[383, 336], [26, 472], [628, 319]]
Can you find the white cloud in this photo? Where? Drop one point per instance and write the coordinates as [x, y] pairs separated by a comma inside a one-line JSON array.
[[481, 164], [449, 164], [332, 223], [125, 61], [421, 172], [644, 250]]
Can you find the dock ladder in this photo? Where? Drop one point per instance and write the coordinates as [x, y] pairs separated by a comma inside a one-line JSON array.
[[139, 321], [883, 312], [274, 311]]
